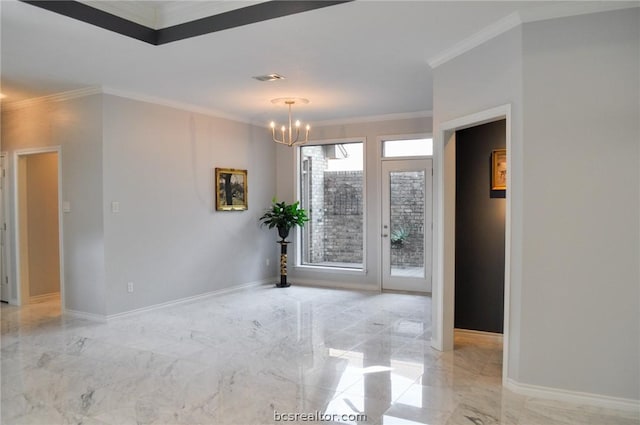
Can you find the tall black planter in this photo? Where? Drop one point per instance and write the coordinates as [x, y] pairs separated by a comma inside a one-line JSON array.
[[283, 264], [283, 232]]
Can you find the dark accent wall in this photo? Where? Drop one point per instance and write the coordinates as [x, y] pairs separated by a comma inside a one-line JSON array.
[[480, 230]]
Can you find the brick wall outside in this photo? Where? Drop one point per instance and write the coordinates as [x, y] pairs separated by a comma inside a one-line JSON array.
[[407, 212], [343, 216], [336, 230]]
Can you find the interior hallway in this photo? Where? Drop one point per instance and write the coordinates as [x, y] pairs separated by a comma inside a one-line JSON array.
[[237, 358]]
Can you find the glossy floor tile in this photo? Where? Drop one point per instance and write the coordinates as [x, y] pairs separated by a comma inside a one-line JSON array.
[[262, 356]]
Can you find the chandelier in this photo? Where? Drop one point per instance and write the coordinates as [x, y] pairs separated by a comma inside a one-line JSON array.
[[290, 135]]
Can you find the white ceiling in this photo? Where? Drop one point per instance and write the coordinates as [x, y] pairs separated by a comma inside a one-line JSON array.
[[161, 14], [358, 59]]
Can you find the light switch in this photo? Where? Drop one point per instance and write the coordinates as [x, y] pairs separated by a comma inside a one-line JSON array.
[[115, 207], [66, 206]]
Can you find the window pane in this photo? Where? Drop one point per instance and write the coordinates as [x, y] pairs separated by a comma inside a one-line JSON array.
[[407, 223], [331, 183], [412, 147]]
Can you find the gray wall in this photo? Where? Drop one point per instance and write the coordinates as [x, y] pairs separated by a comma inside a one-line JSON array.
[[158, 162], [76, 126], [580, 283], [367, 131], [485, 77], [573, 82], [167, 238]]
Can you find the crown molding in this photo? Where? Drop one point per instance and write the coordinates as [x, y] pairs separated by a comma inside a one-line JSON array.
[[564, 10], [88, 91], [542, 13], [174, 104], [57, 97], [374, 118], [499, 27]]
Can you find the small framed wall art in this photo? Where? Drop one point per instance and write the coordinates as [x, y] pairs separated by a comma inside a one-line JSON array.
[[231, 189], [499, 169]]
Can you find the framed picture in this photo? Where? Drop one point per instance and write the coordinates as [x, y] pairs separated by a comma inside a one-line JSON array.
[[231, 189], [499, 169]]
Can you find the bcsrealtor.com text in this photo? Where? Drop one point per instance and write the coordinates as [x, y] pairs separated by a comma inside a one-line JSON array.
[[318, 417]]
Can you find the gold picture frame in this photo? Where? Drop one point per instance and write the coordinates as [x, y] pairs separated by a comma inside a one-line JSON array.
[[499, 169], [231, 189]]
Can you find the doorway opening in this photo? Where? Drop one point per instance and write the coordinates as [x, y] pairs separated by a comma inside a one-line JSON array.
[[444, 299], [480, 228], [38, 235]]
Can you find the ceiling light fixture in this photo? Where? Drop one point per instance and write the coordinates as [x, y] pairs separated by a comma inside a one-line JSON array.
[[288, 136], [269, 77]]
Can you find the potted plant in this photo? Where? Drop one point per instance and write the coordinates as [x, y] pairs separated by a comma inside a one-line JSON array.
[[398, 237], [284, 217]]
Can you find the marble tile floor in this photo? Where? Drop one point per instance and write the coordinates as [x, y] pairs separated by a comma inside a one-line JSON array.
[[247, 357]]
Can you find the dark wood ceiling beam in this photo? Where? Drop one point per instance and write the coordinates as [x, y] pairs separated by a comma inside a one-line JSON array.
[[231, 19], [99, 18]]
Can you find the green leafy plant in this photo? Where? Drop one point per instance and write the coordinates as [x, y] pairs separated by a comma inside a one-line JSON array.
[[284, 217], [398, 237]]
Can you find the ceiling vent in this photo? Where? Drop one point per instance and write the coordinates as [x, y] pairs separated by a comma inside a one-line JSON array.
[[270, 77]]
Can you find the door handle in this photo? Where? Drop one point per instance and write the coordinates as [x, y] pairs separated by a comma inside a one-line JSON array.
[[384, 235]]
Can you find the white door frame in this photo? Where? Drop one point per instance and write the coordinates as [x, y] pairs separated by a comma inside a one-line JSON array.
[[422, 285], [4, 276], [444, 228], [16, 217]]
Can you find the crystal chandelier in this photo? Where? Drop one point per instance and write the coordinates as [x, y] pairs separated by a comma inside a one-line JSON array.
[[290, 135]]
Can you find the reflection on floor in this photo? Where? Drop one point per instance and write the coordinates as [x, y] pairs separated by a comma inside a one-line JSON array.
[[259, 355]]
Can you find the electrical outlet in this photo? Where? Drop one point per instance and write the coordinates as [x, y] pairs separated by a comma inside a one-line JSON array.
[[130, 287]]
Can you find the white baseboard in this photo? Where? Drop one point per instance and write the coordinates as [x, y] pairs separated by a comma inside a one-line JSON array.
[[573, 396], [44, 298], [190, 299], [84, 315]]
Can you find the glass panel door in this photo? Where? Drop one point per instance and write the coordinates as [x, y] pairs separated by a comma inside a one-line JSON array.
[[406, 225]]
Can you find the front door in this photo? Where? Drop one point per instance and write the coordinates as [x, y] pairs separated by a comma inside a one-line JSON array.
[[406, 224]]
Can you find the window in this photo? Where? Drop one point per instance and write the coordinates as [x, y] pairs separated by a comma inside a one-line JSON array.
[[331, 190], [409, 147]]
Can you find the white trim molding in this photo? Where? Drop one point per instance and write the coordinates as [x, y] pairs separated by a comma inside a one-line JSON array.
[[174, 104], [533, 14], [57, 97], [19, 299], [499, 27], [444, 232], [105, 318], [190, 299], [88, 91], [84, 315], [576, 397], [374, 118]]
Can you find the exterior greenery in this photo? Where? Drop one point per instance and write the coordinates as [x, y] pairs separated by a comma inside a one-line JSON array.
[[398, 236]]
